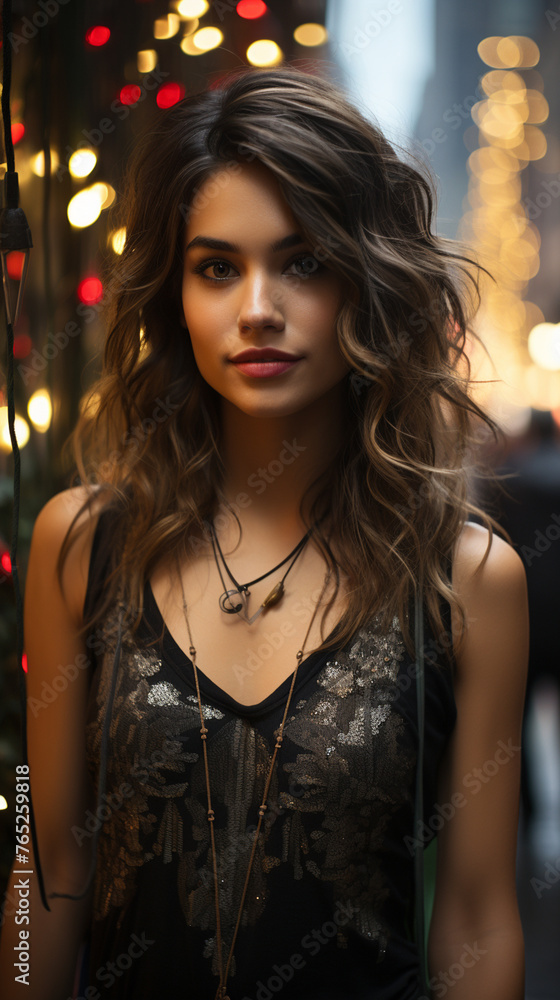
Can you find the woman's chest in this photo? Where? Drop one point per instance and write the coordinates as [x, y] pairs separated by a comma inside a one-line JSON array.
[[248, 655]]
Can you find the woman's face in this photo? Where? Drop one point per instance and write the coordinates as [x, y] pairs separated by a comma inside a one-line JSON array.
[[253, 294]]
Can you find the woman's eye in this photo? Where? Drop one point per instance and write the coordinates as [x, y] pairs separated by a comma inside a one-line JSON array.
[[309, 265], [214, 264], [305, 266]]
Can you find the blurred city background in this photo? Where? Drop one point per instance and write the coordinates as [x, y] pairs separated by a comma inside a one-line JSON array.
[[470, 89]]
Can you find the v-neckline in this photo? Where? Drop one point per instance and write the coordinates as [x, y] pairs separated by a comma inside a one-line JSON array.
[[176, 655]]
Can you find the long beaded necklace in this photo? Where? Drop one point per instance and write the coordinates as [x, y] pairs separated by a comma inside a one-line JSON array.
[[221, 991]]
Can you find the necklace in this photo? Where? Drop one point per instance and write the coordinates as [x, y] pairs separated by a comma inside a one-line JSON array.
[[221, 991], [242, 592]]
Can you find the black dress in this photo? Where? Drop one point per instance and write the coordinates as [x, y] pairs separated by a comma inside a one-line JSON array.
[[329, 908]]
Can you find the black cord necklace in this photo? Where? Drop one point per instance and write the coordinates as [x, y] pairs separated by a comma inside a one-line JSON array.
[[233, 601]]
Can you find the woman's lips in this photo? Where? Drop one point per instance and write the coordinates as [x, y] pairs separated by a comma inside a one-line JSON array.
[[265, 369]]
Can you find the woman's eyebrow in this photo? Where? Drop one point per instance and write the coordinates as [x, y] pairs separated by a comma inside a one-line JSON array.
[[211, 243]]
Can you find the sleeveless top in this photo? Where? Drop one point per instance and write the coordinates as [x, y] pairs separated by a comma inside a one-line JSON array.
[[330, 901]]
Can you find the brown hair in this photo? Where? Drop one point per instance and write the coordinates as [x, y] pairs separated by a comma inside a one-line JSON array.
[[395, 497]]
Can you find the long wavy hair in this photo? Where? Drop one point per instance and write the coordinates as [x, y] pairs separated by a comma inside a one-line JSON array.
[[394, 499]]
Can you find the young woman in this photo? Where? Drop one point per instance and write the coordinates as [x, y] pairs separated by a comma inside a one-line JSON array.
[[272, 467]]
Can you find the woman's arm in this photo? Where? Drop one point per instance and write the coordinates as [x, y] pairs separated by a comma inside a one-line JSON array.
[[476, 940], [57, 686]]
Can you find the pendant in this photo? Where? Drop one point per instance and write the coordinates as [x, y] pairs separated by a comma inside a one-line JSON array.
[[275, 595], [228, 603]]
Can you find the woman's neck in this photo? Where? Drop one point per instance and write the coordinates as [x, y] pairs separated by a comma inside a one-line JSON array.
[[270, 461]]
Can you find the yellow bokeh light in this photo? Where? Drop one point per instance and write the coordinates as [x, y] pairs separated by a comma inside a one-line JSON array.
[[82, 162], [37, 163], [207, 38], [537, 107], [189, 48], [146, 60], [84, 208], [533, 144], [39, 409], [265, 52], [544, 346], [542, 388], [21, 428], [192, 8], [106, 192], [118, 240], [3, 802], [167, 27], [514, 51], [509, 52], [311, 34]]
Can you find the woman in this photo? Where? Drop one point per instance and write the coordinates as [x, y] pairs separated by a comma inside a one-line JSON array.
[[236, 756]]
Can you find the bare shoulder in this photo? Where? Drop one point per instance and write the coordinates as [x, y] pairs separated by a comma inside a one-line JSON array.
[[481, 560], [489, 579], [50, 530]]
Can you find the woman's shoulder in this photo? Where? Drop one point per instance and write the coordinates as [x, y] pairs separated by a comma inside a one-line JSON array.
[[65, 510], [489, 579], [484, 559]]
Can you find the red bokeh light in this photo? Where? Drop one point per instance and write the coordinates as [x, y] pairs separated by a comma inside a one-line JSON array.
[[169, 94], [6, 562], [24, 661], [14, 264], [251, 9], [18, 132], [90, 291], [22, 345], [130, 94], [98, 35]]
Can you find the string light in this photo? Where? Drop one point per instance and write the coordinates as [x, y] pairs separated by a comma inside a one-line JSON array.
[[167, 27], [525, 349]]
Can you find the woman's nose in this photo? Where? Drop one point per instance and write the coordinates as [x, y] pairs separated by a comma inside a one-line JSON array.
[[262, 303]]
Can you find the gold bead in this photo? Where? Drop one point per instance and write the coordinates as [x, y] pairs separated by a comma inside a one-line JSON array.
[[211, 815], [262, 809]]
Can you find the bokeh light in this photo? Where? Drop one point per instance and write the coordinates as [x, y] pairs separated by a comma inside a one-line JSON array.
[[311, 34], [39, 409], [18, 132], [146, 60], [37, 163], [21, 428], [90, 290], [251, 9], [98, 35], [167, 27], [169, 94], [82, 162], [192, 8], [264, 52], [208, 38], [130, 94]]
